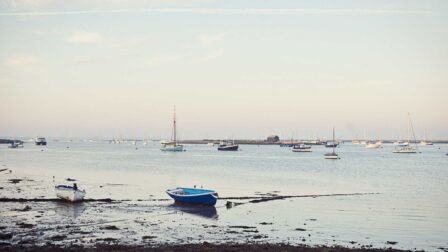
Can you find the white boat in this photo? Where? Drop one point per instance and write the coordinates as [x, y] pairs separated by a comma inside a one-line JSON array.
[[15, 145], [371, 145], [332, 155], [301, 148], [172, 145], [69, 193], [425, 141], [406, 147]]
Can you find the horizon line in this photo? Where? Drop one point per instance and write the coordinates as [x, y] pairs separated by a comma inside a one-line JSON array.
[[224, 11]]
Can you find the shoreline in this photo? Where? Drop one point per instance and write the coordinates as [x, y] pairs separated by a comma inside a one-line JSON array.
[[205, 246]]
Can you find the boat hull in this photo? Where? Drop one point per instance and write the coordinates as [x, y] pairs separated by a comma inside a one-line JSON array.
[[301, 150], [69, 194], [173, 148], [331, 156], [202, 198], [228, 148]]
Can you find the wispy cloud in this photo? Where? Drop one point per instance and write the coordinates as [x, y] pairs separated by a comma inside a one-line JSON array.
[[85, 37], [226, 11], [20, 60], [210, 39]]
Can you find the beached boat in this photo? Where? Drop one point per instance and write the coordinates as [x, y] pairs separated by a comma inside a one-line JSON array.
[[41, 141], [69, 193], [406, 148], [228, 146], [332, 155], [172, 145], [193, 196], [301, 148]]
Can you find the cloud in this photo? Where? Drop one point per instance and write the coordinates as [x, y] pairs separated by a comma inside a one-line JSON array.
[[85, 38], [212, 39], [20, 60], [226, 11], [213, 55]]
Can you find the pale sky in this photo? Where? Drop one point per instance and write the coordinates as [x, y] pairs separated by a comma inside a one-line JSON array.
[[243, 68]]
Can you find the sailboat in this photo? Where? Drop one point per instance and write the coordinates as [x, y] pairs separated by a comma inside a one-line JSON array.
[[172, 145], [332, 155], [406, 147], [425, 141]]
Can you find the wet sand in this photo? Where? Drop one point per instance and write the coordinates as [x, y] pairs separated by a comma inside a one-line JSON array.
[[154, 224]]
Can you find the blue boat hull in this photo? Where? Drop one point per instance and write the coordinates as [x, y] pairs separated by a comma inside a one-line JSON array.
[[208, 198]]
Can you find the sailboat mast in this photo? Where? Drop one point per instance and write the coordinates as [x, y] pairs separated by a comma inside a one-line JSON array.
[[174, 125], [334, 143], [413, 132]]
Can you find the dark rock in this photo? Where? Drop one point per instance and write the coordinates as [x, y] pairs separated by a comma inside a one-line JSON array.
[[14, 181], [112, 227], [58, 237], [391, 242], [5, 236], [147, 237], [25, 225]]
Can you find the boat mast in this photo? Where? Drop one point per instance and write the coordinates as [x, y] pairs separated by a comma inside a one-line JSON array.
[[174, 125], [413, 133], [334, 143]]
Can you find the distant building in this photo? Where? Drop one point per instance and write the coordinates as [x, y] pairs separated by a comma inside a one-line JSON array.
[[272, 139]]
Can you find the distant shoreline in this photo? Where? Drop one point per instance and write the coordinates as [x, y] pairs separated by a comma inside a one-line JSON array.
[[237, 141]]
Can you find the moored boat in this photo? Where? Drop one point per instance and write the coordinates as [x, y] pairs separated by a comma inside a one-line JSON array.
[[172, 145], [193, 196], [332, 155], [15, 145], [372, 145], [228, 146], [301, 148], [69, 193], [41, 141], [406, 148]]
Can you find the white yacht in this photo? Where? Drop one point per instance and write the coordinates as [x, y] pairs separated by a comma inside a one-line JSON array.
[[406, 147], [172, 145]]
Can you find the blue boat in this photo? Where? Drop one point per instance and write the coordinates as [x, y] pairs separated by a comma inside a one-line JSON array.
[[193, 196]]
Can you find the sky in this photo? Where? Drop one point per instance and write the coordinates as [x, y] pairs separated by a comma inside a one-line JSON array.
[[241, 69]]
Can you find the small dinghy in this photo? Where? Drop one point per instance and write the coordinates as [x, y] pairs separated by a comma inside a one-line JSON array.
[[69, 193], [193, 196]]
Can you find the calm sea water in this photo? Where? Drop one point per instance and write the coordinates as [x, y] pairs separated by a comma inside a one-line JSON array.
[[410, 207]]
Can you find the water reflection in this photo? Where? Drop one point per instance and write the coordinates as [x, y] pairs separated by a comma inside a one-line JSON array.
[[69, 210], [199, 210]]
